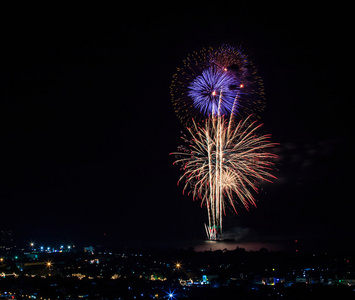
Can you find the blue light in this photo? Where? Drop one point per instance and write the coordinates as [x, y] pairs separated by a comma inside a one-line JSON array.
[[204, 278], [171, 294]]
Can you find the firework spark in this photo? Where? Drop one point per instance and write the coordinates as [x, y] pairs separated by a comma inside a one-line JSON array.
[[224, 163], [197, 86]]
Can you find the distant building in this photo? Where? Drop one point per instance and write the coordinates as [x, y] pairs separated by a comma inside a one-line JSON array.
[[89, 249], [188, 282], [6, 239], [301, 279]]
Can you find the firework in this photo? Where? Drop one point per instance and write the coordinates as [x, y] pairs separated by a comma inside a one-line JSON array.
[[223, 164], [223, 76]]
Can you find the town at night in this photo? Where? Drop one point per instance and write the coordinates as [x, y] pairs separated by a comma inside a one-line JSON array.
[[198, 150], [102, 272]]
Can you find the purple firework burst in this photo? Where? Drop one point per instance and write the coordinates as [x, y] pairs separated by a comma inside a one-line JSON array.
[[216, 81], [213, 87]]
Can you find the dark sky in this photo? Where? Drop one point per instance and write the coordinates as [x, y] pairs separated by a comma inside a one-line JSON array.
[[87, 123]]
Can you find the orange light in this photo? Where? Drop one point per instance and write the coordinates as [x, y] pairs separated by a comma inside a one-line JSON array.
[[214, 93], [241, 85]]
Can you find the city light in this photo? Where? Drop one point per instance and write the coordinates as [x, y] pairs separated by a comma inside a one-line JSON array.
[[171, 294], [178, 265], [93, 266]]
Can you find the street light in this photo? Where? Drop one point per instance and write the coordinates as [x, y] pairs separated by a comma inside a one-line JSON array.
[[49, 265], [171, 294], [178, 265]]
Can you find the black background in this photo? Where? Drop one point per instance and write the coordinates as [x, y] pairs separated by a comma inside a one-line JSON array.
[[87, 123]]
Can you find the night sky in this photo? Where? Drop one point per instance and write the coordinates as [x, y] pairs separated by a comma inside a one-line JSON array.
[[87, 123]]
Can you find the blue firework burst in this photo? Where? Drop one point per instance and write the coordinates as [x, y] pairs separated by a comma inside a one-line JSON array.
[[215, 85], [209, 75]]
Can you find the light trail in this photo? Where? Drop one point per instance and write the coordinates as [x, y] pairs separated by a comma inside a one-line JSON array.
[[221, 161]]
